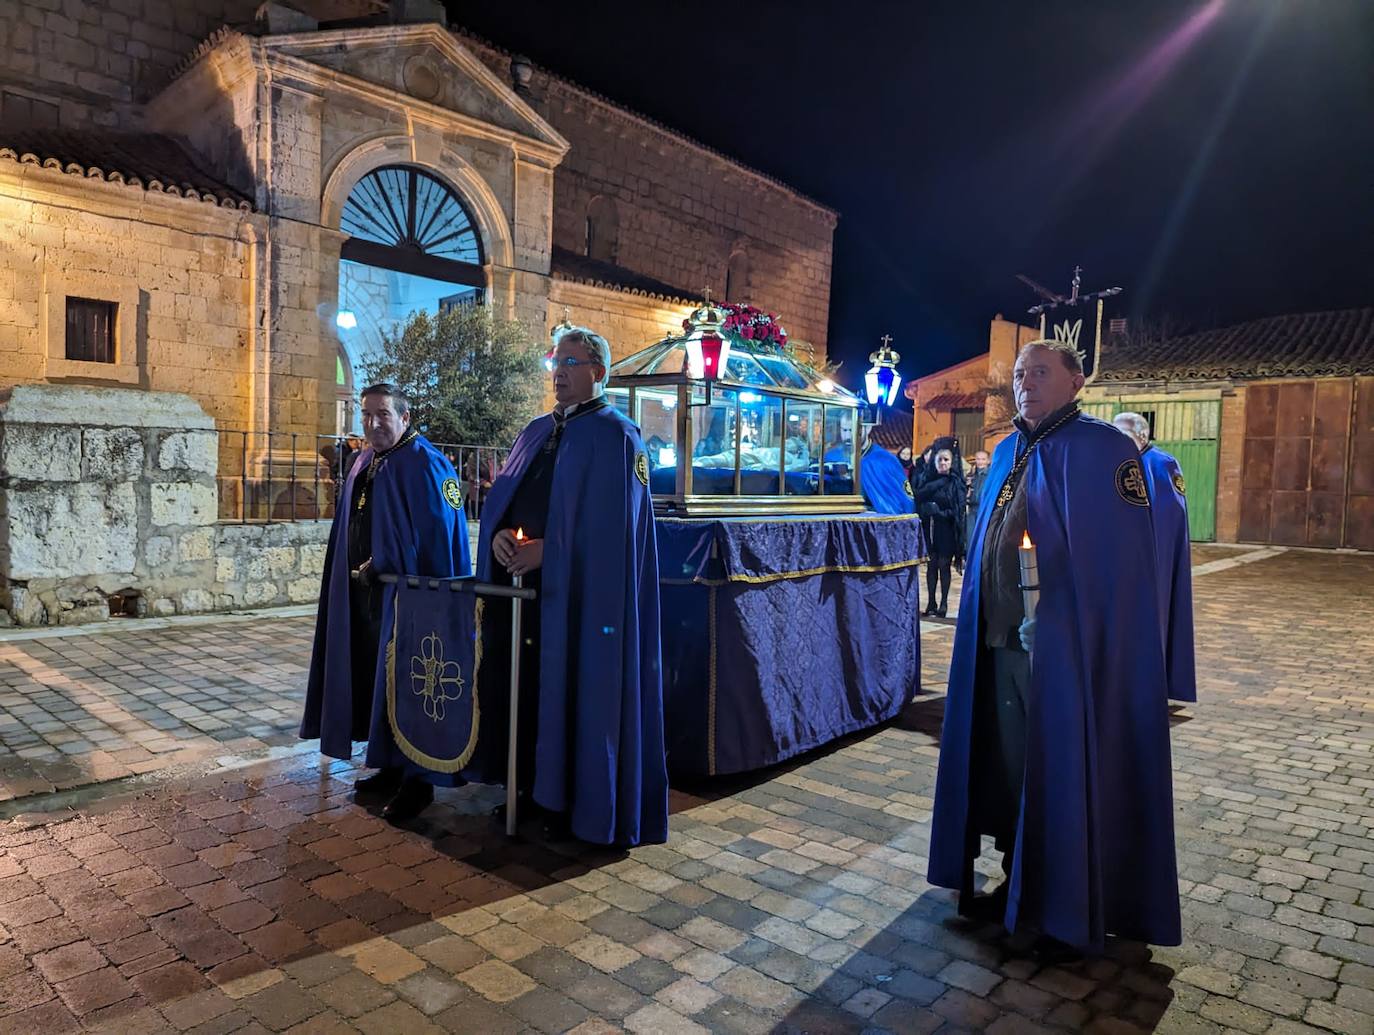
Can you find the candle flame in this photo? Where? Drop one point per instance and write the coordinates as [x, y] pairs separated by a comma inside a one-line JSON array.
[[1026, 544], [519, 533]]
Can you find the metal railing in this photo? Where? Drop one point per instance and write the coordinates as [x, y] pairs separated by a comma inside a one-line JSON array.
[[267, 476]]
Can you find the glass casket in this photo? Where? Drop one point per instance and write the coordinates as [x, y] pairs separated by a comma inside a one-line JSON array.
[[769, 435]]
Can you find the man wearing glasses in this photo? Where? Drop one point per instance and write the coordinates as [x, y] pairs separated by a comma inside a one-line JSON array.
[[571, 513]]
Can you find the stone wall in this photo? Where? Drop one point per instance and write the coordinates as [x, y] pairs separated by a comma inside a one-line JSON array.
[[259, 565], [108, 492], [629, 322], [180, 272], [681, 209], [94, 61]]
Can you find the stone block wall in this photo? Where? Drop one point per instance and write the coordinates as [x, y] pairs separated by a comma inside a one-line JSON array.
[[629, 322], [109, 492], [180, 271], [259, 565], [682, 209], [94, 61]]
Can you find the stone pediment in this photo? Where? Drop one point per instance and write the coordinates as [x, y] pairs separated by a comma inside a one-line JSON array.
[[422, 65]]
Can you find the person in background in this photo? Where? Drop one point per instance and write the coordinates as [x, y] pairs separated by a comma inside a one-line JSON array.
[[883, 481], [1169, 506], [940, 502], [978, 477]]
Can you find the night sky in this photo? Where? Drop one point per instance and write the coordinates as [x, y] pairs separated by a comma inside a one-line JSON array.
[[1215, 159]]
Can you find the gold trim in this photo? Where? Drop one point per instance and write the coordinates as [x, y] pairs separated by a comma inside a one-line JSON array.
[[438, 765], [805, 572], [711, 684]]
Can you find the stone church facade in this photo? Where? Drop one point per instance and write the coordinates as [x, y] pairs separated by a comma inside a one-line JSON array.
[[175, 184]]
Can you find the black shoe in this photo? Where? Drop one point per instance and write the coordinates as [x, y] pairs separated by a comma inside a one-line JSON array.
[[382, 784], [1051, 952], [986, 908], [940, 612], [930, 610], [412, 799]]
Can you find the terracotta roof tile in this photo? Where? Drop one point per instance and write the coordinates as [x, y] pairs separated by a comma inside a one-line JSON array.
[[148, 160], [1331, 344], [895, 430], [580, 269], [954, 401]]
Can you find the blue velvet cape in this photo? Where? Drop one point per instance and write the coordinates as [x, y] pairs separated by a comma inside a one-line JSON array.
[[600, 753], [415, 531], [1095, 837], [1164, 480], [884, 482]]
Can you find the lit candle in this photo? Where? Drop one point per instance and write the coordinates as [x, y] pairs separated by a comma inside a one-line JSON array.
[[518, 580], [1030, 576]]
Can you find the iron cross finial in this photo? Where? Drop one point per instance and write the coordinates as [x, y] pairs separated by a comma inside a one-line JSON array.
[[886, 339]]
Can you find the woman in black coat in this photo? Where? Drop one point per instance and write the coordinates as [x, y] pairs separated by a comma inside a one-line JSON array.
[[941, 503]]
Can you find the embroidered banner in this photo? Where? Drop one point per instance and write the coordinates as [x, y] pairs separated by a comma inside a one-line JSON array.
[[431, 677]]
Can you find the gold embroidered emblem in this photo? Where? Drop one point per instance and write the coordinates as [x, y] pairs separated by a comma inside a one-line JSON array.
[[1130, 483], [907, 486], [642, 467], [432, 678], [1178, 483], [453, 493]]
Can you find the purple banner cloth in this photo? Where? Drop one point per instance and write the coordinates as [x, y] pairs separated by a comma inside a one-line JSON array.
[[780, 635]]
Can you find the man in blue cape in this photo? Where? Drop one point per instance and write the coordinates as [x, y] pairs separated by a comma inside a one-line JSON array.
[[884, 482], [400, 512], [1169, 505], [1056, 735], [571, 513]]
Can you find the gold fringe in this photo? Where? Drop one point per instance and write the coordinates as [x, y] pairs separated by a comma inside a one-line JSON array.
[[438, 765]]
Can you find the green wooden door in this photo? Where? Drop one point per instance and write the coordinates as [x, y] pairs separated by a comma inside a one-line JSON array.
[[1189, 431]]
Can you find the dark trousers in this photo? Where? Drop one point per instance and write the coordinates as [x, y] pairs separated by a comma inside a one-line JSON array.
[[937, 566], [365, 629], [998, 759], [493, 682]]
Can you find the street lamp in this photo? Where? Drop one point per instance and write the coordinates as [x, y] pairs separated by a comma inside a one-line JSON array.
[[882, 382]]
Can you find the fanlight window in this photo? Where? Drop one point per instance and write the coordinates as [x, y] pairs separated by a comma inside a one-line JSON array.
[[404, 207]]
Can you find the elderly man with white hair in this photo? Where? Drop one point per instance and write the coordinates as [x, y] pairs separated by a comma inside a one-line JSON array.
[[571, 513], [1056, 740], [1169, 505]]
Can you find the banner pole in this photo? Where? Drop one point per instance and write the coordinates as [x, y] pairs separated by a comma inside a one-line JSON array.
[[511, 760]]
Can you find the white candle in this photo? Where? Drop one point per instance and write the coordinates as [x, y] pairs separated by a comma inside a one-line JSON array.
[[1030, 576]]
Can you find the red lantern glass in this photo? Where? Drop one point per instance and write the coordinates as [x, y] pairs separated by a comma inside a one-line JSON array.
[[711, 355]]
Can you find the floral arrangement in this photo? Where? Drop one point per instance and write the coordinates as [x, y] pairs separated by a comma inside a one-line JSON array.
[[746, 323]]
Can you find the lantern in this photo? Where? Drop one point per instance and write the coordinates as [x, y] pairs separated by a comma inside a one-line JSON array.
[[708, 350], [882, 382]]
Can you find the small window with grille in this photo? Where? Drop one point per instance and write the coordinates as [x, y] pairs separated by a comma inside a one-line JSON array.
[[91, 330]]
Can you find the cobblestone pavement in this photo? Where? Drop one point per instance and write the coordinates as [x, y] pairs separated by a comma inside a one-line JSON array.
[[265, 900], [81, 709]]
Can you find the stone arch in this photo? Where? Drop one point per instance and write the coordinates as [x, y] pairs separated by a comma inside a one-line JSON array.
[[490, 219], [603, 229], [737, 274]]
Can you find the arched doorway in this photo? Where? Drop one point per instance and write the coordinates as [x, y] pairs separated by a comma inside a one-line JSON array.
[[413, 245]]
